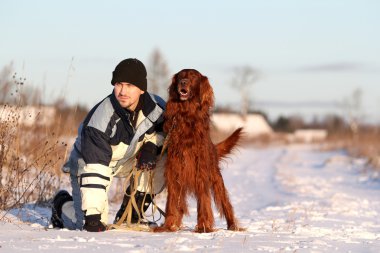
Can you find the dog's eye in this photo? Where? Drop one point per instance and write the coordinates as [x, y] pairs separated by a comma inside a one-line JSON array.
[[183, 81]]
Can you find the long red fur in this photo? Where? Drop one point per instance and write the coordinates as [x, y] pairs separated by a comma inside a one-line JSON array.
[[192, 165]]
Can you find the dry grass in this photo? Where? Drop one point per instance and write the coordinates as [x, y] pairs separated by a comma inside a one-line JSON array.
[[31, 155], [365, 143]]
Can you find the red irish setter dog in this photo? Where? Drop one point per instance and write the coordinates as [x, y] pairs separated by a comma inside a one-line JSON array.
[[192, 165]]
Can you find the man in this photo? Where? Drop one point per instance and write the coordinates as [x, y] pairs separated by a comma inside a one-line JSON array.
[[121, 132]]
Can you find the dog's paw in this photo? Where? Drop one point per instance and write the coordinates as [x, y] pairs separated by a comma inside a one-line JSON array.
[[164, 228], [235, 227], [203, 229], [159, 229]]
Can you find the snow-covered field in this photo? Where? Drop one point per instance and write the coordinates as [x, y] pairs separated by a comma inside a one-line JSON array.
[[290, 199]]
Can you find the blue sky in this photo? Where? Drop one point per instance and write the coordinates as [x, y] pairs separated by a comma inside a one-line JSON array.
[[309, 54]]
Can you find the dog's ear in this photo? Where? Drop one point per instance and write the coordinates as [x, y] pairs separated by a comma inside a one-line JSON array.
[[206, 93], [173, 94]]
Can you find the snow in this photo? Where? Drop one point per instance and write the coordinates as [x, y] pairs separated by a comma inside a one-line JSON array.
[[293, 198]]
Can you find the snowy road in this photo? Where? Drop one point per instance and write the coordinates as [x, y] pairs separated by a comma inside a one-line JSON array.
[[291, 199]]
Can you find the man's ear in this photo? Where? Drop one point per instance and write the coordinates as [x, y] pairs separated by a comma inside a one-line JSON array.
[[142, 92]]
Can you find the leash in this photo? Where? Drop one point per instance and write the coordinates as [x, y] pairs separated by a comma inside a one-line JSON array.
[[167, 139], [133, 181], [127, 214], [126, 217]]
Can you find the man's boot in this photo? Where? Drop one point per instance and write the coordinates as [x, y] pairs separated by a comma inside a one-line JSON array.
[[139, 197], [60, 198]]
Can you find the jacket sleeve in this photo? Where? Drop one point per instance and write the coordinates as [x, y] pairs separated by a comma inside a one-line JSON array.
[[155, 135], [96, 175]]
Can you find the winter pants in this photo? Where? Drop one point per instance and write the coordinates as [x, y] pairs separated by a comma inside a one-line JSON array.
[[72, 214]]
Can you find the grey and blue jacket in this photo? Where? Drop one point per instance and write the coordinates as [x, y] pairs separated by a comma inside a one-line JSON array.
[[109, 136]]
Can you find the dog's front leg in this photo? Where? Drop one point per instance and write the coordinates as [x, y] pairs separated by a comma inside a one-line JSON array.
[[175, 208], [205, 215]]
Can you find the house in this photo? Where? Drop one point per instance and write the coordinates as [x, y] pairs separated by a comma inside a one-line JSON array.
[[253, 124]]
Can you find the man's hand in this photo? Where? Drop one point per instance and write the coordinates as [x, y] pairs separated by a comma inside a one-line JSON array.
[[146, 160], [93, 223]]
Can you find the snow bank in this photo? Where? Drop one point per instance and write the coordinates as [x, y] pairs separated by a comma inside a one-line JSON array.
[[309, 135]]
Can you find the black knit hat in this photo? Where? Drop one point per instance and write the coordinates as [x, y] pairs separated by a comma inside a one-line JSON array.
[[130, 71]]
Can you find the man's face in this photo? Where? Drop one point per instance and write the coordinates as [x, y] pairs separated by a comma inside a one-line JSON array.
[[128, 95]]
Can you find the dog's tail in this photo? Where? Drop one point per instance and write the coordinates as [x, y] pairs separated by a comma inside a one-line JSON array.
[[225, 147]]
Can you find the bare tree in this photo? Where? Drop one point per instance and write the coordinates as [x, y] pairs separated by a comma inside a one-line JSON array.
[[14, 91], [243, 79], [352, 108], [158, 74], [5, 82]]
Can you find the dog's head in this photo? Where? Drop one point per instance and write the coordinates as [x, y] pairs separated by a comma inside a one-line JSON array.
[[190, 85]]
